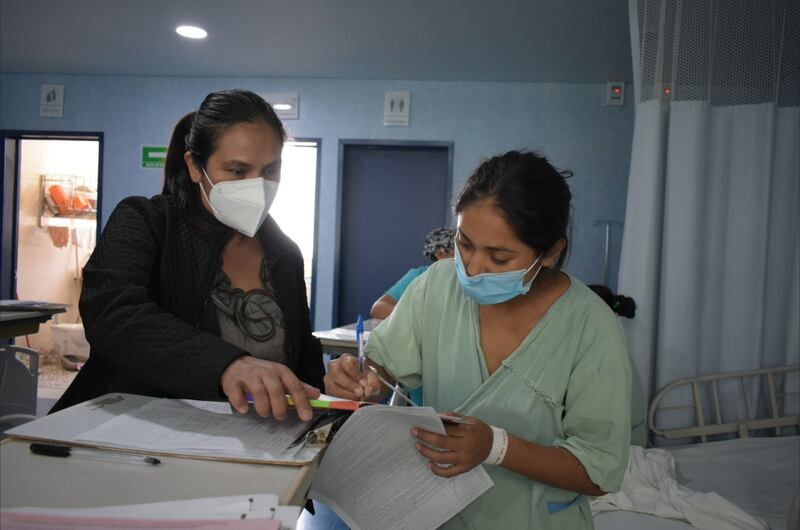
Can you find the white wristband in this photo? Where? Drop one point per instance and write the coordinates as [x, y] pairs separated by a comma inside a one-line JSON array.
[[499, 447]]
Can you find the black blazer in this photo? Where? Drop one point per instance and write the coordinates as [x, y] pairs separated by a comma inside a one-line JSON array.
[[146, 311]]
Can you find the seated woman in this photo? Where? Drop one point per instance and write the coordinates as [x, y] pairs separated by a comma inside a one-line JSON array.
[[196, 293], [438, 245], [534, 360]]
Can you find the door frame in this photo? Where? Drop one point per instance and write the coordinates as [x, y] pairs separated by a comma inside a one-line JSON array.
[[343, 145], [9, 204]]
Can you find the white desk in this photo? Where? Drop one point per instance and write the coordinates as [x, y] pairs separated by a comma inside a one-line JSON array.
[[34, 480], [343, 340], [27, 479]]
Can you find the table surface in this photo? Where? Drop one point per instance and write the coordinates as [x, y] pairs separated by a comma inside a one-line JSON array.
[[34, 480], [27, 479], [10, 316], [16, 323], [333, 340]]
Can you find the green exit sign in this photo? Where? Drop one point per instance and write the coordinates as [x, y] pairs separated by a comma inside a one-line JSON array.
[[153, 156]]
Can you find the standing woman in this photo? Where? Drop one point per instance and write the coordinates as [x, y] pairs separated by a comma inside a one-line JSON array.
[[533, 359], [196, 293]]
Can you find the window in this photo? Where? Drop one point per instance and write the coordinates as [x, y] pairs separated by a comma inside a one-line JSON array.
[[295, 205]]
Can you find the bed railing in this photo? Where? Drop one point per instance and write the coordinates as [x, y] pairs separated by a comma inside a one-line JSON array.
[[767, 414]]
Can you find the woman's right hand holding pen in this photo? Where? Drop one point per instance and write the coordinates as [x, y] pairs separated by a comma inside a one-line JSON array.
[[344, 379]]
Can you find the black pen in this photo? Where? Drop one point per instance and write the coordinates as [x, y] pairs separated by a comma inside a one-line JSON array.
[[320, 421], [64, 451]]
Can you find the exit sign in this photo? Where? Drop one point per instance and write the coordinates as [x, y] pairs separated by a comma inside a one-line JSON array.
[[153, 156]]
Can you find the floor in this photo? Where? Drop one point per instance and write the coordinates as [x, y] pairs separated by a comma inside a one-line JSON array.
[[53, 381]]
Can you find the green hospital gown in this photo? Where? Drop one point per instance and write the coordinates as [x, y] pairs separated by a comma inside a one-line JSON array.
[[568, 384]]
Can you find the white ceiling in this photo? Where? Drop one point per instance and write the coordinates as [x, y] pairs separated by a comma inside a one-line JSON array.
[[504, 40]]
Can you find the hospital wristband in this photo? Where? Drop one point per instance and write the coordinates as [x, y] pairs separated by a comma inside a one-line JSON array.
[[499, 447]]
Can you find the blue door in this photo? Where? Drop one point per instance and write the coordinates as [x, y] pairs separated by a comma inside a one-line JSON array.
[[392, 196]]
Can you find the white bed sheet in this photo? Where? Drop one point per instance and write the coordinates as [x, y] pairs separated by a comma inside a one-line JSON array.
[[760, 475], [636, 521]]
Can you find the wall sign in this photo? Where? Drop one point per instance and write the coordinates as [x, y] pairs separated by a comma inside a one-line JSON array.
[[51, 101], [153, 156], [396, 109]]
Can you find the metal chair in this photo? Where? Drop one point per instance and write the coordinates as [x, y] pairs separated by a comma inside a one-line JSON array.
[[18, 384]]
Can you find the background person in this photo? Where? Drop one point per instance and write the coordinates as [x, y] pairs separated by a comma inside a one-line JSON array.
[[438, 245]]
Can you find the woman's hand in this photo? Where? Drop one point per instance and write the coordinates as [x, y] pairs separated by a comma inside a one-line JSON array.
[[464, 447], [344, 379], [268, 383]]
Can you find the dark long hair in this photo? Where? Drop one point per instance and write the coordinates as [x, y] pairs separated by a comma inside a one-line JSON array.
[[531, 193], [622, 305], [197, 132]]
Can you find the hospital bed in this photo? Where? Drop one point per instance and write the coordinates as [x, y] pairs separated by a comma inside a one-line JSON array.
[[746, 446]]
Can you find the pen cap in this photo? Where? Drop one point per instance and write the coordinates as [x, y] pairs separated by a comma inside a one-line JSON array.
[[360, 325]]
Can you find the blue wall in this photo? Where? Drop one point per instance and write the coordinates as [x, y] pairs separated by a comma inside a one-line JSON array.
[[567, 122]]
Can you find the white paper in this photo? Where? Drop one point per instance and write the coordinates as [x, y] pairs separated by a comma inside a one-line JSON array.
[[341, 334], [203, 428], [372, 476], [326, 397]]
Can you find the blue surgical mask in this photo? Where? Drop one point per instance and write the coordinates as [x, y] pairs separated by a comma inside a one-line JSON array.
[[494, 287]]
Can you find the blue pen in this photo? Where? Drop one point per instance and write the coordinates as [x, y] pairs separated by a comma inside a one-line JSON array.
[[360, 340]]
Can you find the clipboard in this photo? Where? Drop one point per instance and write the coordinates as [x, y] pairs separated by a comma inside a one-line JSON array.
[[69, 427]]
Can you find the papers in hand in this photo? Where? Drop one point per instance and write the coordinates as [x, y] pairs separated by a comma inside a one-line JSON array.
[[372, 476]]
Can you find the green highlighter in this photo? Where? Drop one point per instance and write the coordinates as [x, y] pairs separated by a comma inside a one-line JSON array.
[[345, 405], [321, 404]]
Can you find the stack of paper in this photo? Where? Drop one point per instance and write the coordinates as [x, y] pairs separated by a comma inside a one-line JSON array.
[[239, 512], [371, 474], [202, 429], [340, 334]]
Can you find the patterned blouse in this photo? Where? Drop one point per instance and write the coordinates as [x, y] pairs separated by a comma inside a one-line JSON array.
[[251, 320]]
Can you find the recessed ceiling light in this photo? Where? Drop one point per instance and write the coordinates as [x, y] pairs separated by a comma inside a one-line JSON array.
[[191, 32], [282, 106]]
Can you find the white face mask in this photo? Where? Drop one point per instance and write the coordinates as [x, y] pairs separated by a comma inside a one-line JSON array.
[[241, 204]]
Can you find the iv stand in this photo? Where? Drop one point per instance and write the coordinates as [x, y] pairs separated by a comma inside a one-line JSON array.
[[607, 223]]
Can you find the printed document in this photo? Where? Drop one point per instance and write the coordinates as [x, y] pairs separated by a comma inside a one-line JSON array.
[[372, 476], [203, 428]]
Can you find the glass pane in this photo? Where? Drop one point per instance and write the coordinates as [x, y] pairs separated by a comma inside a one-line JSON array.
[[294, 205]]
